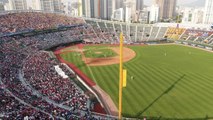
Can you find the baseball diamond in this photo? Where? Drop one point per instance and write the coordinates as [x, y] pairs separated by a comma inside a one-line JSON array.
[[158, 77]]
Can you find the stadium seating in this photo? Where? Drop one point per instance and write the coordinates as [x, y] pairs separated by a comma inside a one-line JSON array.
[[161, 33], [134, 33], [174, 33], [202, 36], [31, 88], [146, 33], [198, 36], [31, 78], [154, 32], [19, 22], [209, 39]]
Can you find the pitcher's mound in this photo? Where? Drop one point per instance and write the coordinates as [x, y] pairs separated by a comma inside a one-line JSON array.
[[98, 52]]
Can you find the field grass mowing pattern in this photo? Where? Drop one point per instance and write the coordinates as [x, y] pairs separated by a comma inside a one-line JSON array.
[[169, 81]]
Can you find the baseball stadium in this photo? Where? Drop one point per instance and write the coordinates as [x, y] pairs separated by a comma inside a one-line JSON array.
[[55, 66]]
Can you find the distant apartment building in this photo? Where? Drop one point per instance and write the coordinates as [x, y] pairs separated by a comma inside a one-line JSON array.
[[143, 16], [118, 14], [66, 6], [130, 10], [95, 8], [1, 7], [106, 9], [101, 9], [139, 5], [46, 5], [208, 14], [149, 14], [35, 5], [192, 15], [119, 4], [51, 5], [16, 5], [86, 9], [153, 13], [57, 4], [166, 8]]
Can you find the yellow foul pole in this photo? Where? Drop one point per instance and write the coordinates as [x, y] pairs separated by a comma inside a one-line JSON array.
[[121, 77]]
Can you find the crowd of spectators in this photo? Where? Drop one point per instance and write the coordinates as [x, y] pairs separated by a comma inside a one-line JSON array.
[[196, 35], [10, 108], [89, 35], [30, 88], [19, 22], [173, 33], [97, 34], [40, 73]]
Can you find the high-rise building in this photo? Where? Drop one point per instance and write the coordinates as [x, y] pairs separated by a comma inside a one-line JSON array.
[[139, 5], [1, 7], [16, 5], [106, 9], [47, 5], [57, 5], [130, 10], [166, 8], [51, 5], [153, 13], [111, 8], [208, 15], [192, 15], [102, 9], [119, 4], [95, 8], [118, 14], [67, 5], [2, 4], [92, 8], [86, 10], [35, 4]]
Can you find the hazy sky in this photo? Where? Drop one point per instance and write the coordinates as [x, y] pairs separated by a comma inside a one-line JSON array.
[[149, 2]]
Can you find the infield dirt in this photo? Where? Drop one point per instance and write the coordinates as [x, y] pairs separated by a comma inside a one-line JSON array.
[[128, 55]]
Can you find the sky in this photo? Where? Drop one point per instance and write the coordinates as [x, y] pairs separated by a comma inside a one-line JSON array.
[[149, 2]]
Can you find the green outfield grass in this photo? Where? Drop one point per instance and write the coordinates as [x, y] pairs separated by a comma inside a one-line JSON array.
[[170, 81], [99, 53]]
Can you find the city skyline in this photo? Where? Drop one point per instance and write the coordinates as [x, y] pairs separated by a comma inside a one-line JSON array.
[[146, 2], [179, 2], [121, 10]]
